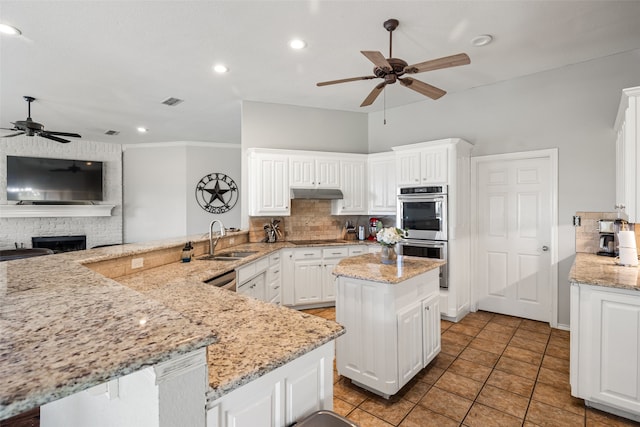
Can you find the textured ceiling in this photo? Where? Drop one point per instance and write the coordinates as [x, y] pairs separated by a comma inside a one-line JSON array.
[[101, 65]]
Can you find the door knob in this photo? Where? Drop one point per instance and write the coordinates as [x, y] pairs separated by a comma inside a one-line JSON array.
[[545, 248]]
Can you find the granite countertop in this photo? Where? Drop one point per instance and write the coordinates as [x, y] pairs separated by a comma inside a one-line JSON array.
[[254, 337], [369, 267], [603, 271], [65, 328]]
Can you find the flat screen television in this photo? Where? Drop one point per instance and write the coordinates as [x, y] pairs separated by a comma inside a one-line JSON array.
[[39, 179]]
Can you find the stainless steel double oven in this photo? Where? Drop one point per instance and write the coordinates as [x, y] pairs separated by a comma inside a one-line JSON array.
[[422, 211]]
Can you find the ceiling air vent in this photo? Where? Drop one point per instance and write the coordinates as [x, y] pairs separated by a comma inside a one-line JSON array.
[[112, 132], [172, 102]]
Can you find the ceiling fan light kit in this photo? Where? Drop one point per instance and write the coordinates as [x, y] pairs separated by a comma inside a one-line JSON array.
[[392, 69], [30, 128]]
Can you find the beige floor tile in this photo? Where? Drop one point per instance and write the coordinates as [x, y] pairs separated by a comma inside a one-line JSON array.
[[559, 340], [561, 352], [531, 335], [523, 355], [365, 419], [535, 326], [495, 336], [484, 416], [478, 356], [430, 374], [456, 337], [558, 398], [507, 320], [470, 370], [414, 391], [445, 324], [504, 401], [443, 361], [500, 328], [544, 415], [527, 344], [346, 391], [390, 411], [516, 367], [451, 348], [555, 364], [341, 407], [457, 384], [486, 345], [447, 404], [556, 379], [469, 330], [512, 383], [423, 417]]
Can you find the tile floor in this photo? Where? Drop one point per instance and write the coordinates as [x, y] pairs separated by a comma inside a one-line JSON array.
[[493, 370]]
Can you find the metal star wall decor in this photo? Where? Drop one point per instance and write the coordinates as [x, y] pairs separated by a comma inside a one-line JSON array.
[[217, 193]]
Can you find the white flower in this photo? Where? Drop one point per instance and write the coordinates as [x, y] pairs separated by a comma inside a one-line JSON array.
[[390, 236]]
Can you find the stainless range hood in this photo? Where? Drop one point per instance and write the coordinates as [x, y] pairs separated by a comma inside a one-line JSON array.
[[316, 193]]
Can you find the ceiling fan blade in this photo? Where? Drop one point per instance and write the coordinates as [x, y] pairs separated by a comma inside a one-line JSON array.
[[436, 64], [13, 134], [53, 138], [352, 79], [373, 94], [75, 135], [377, 58], [422, 87]]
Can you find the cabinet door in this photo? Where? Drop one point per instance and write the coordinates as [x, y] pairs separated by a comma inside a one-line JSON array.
[[354, 179], [302, 172], [287, 277], [262, 407], [329, 280], [307, 281], [328, 173], [304, 392], [615, 350], [382, 185], [431, 328], [269, 185], [434, 165], [410, 325], [408, 167]]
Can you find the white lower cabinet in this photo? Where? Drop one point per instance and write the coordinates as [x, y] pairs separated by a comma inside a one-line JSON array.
[[281, 397], [605, 348], [393, 330], [252, 279], [307, 276]]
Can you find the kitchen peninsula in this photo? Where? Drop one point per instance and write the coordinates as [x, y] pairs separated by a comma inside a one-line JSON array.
[[605, 335], [392, 317], [78, 328]]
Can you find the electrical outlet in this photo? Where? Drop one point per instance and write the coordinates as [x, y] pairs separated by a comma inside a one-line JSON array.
[[137, 262], [232, 241]]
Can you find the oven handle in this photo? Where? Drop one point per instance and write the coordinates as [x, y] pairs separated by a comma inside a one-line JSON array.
[[422, 243]]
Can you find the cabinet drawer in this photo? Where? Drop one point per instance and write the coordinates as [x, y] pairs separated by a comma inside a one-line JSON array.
[[273, 290], [335, 252], [262, 264], [273, 273], [358, 250], [274, 258], [246, 272], [309, 253]]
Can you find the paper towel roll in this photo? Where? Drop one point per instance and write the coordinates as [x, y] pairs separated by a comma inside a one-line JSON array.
[[627, 239], [628, 256]]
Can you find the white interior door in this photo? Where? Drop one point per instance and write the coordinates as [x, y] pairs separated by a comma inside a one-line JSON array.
[[514, 229]]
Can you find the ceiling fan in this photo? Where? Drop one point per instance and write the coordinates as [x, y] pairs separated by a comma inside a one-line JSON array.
[[30, 128], [391, 69]]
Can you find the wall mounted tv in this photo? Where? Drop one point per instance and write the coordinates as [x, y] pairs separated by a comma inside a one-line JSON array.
[[49, 181]]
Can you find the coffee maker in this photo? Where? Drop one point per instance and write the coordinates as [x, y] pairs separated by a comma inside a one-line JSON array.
[[607, 230]]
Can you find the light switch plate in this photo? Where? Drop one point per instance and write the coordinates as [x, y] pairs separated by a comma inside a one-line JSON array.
[[137, 262]]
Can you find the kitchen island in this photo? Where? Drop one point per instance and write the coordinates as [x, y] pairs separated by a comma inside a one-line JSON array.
[[392, 317], [605, 335], [70, 337]]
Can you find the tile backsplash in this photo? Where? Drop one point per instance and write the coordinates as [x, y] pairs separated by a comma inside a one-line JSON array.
[[312, 220], [587, 235]]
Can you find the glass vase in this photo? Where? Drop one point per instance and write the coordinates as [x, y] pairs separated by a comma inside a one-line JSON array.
[[388, 255]]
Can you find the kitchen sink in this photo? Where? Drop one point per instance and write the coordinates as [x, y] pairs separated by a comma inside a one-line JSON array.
[[228, 256]]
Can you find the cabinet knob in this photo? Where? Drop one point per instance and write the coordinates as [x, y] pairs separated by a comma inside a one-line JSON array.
[[545, 248]]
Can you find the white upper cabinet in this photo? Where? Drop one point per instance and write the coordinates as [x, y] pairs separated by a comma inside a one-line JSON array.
[[314, 172], [382, 184], [268, 184], [353, 179], [425, 166], [627, 154]]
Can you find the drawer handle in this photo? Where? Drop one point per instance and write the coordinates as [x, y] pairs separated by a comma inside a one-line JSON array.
[[276, 272], [276, 287], [309, 254]]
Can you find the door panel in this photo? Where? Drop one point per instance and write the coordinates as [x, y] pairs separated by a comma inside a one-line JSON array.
[[514, 224]]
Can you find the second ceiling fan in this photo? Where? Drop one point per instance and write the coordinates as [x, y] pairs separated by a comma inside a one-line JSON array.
[[392, 69]]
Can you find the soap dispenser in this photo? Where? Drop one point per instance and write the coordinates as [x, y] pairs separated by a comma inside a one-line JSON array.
[[187, 252]]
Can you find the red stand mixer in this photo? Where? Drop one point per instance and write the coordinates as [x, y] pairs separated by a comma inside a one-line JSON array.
[[373, 228]]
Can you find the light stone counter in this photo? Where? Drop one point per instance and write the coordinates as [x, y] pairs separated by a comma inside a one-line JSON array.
[[65, 328], [369, 267], [603, 271]]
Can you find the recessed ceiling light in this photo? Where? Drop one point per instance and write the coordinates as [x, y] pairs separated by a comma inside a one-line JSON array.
[[220, 69], [143, 130], [297, 44], [8, 29], [481, 40]]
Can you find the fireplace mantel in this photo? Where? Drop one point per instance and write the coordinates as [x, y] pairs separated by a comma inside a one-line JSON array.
[[44, 211]]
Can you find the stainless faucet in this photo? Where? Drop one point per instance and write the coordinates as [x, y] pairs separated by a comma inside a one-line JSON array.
[[212, 244]]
